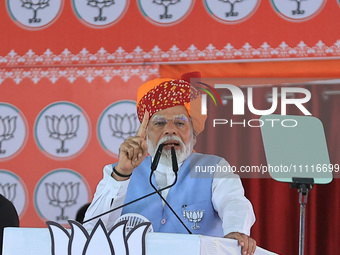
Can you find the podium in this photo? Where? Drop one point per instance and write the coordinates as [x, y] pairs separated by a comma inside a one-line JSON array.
[[37, 241]]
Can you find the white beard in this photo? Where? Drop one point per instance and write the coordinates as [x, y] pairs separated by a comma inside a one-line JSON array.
[[181, 154]]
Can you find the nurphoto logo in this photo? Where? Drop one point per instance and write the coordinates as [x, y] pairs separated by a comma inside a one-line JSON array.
[[242, 102], [239, 100]]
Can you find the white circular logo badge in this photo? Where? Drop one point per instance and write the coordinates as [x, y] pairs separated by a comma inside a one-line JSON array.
[[231, 11], [14, 189], [298, 10], [62, 130], [13, 131], [34, 14], [59, 195], [165, 12], [100, 13], [117, 122]]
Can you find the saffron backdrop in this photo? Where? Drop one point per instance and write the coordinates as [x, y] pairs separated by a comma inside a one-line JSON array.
[[68, 56]]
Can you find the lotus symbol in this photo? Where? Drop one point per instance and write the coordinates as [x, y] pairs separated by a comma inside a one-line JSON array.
[[193, 216], [100, 4], [166, 4], [100, 241], [62, 196], [35, 5], [62, 128], [8, 191], [7, 128], [232, 3], [298, 8], [123, 126]]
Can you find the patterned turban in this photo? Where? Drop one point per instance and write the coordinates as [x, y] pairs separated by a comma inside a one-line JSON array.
[[162, 93]]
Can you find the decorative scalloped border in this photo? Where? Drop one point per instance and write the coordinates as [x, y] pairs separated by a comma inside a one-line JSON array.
[[107, 65], [174, 54], [53, 74]]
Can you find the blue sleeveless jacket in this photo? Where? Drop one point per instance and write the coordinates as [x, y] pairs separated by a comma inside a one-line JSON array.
[[188, 198]]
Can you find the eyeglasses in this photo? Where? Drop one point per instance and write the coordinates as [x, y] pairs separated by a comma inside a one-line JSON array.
[[180, 121]]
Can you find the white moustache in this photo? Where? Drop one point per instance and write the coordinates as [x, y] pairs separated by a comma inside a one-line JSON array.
[[182, 153], [171, 138]]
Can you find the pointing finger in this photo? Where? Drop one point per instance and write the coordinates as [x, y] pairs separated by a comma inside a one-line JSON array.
[[142, 128]]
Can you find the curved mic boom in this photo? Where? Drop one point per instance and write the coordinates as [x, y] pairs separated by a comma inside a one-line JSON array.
[[175, 169]]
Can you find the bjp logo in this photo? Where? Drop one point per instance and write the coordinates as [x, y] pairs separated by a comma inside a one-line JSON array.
[[13, 131], [62, 130], [59, 194], [118, 122], [34, 14], [100, 13]]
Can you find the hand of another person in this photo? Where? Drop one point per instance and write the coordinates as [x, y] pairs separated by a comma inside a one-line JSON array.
[[248, 244], [132, 151]]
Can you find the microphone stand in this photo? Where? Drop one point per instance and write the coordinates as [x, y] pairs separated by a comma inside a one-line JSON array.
[[175, 169], [131, 202]]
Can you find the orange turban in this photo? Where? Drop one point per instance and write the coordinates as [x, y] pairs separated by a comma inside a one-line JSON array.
[[163, 93]]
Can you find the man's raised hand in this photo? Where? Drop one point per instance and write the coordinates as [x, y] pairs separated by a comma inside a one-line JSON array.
[[132, 151]]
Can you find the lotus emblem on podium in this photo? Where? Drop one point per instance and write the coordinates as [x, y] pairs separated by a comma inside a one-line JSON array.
[[100, 241]]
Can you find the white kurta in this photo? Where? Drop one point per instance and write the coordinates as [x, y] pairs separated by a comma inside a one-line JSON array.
[[228, 199]]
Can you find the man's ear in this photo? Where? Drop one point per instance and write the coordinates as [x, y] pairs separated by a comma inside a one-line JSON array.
[[193, 141], [194, 136]]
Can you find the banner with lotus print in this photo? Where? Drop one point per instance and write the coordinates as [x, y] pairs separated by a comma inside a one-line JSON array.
[[114, 241], [58, 128], [83, 32]]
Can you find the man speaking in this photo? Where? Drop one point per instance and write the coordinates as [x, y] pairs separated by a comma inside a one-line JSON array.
[[170, 115]]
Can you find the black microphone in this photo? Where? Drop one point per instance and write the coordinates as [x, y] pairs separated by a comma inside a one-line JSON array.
[[175, 169], [157, 157], [174, 160]]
